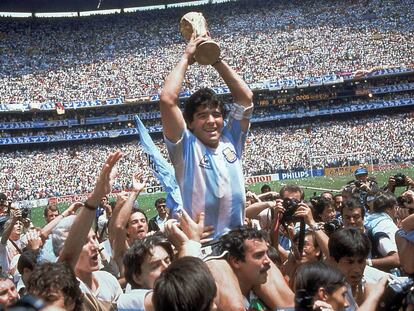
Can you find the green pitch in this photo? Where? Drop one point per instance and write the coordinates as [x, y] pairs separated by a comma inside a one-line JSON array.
[[146, 202]]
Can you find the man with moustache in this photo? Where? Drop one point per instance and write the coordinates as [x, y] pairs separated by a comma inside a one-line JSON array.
[[247, 256]]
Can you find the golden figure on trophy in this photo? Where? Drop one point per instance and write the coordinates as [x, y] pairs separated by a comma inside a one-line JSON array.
[[208, 52]]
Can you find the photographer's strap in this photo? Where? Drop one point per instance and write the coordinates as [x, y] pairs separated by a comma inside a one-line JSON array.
[[302, 232], [15, 246], [274, 236]]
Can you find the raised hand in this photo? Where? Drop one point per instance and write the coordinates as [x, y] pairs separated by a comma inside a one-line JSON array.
[[105, 180], [139, 181]]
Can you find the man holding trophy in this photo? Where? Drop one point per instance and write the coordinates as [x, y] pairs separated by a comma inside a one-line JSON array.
[[206, 154]]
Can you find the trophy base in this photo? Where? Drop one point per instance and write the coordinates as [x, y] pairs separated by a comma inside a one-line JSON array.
[[207, 53]]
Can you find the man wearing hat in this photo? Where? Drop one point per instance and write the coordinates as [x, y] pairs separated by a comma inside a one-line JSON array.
[[361, 174]]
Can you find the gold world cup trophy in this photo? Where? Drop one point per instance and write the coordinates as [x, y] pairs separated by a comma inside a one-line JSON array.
[[207, 53]]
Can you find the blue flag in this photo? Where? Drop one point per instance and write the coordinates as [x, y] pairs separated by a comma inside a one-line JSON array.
[[162, 170]]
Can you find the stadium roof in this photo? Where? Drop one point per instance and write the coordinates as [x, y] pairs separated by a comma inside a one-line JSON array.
[[36, 6]]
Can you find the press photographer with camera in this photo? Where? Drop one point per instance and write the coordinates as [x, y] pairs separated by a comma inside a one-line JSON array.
[[310, 243], [11, 243], [399, 180]]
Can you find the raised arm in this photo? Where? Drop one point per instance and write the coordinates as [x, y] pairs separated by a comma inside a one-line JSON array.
[[118, 235], [15, 214], [84, 220], [241, 93], [71, 210], [172, 119]]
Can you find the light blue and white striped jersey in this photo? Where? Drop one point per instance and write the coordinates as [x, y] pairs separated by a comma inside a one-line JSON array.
[[211, 180]]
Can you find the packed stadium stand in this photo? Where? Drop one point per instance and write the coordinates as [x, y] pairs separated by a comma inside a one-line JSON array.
[[328, 78]]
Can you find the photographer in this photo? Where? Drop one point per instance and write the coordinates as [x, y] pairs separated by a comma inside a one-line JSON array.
[[11, 243], [399, 180], [363, 185]]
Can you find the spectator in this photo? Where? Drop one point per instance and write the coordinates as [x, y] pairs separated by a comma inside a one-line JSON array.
[[381, 229], [325, 284], [157, 222], [349, 250], [8, 292], [186, 285], [50, 212], [144, 261]]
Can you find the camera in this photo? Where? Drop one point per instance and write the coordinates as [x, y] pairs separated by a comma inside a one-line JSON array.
[[358, 183], [27, 303], [400, 180], [331, 226], [25, 212], [303, 301], [290, 206], [401, 200], [397, 294]]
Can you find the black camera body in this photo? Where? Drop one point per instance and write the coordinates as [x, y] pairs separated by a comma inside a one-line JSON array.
[[401, 200], [290, 206], [400, 180], [303, 301], [331, 226], [397, 294], [25, 212]]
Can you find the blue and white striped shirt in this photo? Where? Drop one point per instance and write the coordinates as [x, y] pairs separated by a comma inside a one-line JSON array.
[[211, 180]]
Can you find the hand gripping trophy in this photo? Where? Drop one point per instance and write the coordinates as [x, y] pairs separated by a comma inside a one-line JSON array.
[[208, 52]]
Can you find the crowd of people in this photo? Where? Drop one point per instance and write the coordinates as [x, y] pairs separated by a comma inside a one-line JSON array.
[[30, 174], [99, 255], [130, 54], [213, 245]]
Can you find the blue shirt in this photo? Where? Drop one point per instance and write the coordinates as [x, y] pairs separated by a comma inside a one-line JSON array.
[[211, 179]]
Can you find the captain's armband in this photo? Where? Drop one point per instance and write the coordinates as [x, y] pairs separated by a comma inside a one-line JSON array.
[[240, 112]]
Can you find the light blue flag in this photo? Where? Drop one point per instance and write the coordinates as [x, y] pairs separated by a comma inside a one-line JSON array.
[[160, 168]]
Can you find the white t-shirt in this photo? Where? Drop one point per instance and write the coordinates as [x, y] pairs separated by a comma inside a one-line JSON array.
[[133, 300], [382, 222], [108, 287], [8, 251], [373, 275]]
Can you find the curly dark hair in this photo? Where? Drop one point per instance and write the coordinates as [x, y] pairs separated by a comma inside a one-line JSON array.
[[233, 242], [49, 276], [203, 97], [138, 252], [320, 206]]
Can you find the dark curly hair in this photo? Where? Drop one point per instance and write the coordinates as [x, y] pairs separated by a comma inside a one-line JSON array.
[[138, 252], [320, 206], [203, 97], [49, 276], [233, 242]]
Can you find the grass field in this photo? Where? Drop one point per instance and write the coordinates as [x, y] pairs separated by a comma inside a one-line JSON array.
[[146, 202]]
